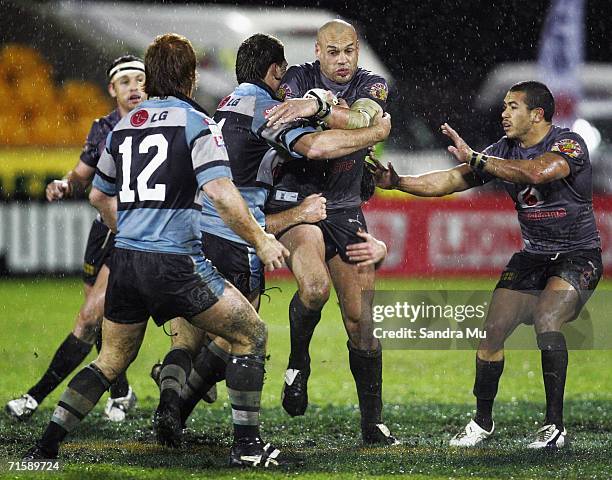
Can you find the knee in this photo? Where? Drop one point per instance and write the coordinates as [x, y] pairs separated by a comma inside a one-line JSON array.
[[87, 328], [111, 370], [546, 321], [490, 354], [314, 292], [361, 336], [248, 332]]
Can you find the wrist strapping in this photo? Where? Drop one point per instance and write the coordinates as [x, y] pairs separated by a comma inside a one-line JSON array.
[[477, 160], [324, 108]]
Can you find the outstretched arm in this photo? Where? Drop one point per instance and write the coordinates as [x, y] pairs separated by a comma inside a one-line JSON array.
[[74, 183], [543, 169], [431, 184]]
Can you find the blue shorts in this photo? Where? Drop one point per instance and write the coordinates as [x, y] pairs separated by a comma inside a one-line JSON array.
[[159, 285]]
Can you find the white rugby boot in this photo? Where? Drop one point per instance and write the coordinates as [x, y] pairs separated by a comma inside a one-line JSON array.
[[472, 435]]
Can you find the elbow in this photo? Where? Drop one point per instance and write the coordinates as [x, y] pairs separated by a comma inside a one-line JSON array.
[[317, 154], [95, 197], [307, 147], [536, 178]]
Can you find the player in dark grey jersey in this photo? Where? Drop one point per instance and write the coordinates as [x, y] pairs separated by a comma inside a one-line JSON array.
[[125, 80], [547, 172], [319, 252]]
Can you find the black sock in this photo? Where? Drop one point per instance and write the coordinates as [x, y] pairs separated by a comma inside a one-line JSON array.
[[68, 356], [244, 380], [366, 367], [485, 390], [302, 323], [120, 387], [208, 369], [554, 369], [81, 396], [175, 368]]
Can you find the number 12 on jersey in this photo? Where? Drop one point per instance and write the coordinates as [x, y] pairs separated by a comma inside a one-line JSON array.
[[158, 192]]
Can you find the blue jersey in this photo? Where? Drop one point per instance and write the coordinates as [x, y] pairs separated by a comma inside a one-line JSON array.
[[555, 217], [157, 159], [254, 151]]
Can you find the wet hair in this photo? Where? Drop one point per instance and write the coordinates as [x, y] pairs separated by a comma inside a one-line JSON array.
[[255, 56], [537, 95], [170, 66]]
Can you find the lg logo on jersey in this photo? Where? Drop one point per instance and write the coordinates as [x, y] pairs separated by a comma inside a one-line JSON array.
[[530, 197], [141, 116]]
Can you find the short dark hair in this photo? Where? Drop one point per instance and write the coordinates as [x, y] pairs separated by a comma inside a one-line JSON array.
[[170, 66], [537, 95], [255, 56], [122, 59]]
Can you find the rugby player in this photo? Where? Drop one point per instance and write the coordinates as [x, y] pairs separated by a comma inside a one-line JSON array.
[[158, 160], [260, 66], [547, 172], [319, 252], [126, 77]]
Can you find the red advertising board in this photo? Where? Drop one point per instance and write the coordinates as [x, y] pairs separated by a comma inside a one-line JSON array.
[[463, 236]]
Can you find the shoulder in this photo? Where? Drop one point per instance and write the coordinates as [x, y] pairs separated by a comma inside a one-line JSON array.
[[567, 142], [297, 77], [374, 85], [101, 126]]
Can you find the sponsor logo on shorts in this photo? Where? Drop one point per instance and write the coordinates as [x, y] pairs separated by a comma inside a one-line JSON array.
[[139, 118], [379, 90], [568, 147], [588, 276], [286, 196], [89, 269], [508, 276]]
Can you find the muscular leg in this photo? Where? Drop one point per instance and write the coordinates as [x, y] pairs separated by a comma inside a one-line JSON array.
[[558, 304], [77, 345], [355, 290], [234, 319], [307, 262], [119, 348], [509, 308], [208, 368]]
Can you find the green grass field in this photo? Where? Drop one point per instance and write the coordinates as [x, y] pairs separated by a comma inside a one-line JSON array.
[[427, 395]]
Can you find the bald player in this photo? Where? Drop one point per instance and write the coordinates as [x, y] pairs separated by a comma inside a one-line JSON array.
[[319, 255]]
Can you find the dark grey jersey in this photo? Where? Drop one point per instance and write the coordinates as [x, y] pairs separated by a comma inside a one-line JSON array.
[[338, 179], [555, 216]]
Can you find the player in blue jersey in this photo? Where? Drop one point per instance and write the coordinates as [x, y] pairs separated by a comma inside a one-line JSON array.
[[319, 253], [546, 171], [242, 116], [159, 161], [126, 77]]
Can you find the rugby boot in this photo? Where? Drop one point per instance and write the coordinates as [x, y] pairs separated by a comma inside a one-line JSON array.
[[471, 435], [378, 434], [22, 408], [549, 436], [295, 391]]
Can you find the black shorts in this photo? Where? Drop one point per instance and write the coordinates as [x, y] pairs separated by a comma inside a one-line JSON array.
[[160, 285], [340, 230], [100, 243], [530, 272], [238, 263]]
